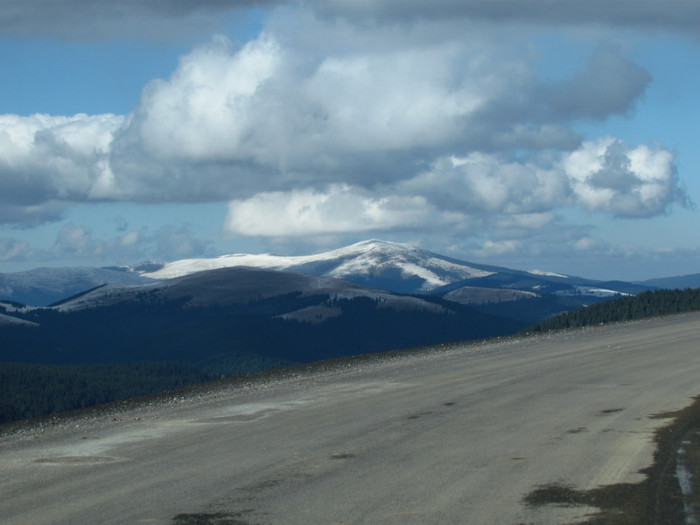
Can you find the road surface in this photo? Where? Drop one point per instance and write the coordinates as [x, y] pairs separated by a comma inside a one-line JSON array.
[[455, 435]]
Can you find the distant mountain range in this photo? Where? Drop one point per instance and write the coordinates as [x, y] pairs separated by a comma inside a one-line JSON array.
[[44, 286], [202, 318], [378, 264], [379, 295], [680, 282], [339, 287], [231, 320]]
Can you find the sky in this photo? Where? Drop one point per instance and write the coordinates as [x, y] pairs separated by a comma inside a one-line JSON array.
[[555, 135]]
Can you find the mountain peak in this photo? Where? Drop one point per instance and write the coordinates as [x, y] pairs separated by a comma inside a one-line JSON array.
[[390, 265], [380, 244], [373, 248]]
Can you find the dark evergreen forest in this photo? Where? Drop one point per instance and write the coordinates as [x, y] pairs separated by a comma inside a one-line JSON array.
[[35, 390], [646, 304], [144, 346]]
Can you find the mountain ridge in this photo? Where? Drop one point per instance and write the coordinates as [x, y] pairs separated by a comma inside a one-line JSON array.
[[219, 319], [375, 263], [372, 257]]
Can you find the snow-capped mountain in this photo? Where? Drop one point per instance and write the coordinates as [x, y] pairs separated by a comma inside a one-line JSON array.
[[380, 264], [216, 319], [406, 269]]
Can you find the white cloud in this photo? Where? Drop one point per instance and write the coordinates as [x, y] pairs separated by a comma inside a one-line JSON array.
[[394, 100], [497, 248], [324, 127], [339, 209], [586, 244], [14, 249], [480, 183], [608, 175], [604, 175], [45, 159], [275, 114], [207, 109]]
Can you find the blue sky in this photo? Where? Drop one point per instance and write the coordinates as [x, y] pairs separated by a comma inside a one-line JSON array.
[[533, 135]]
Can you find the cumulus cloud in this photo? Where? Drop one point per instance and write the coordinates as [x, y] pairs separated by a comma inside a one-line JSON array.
[[225, 114], [273, 115], [603, 175], [609, 175], [45, 160], [497, 248], [339, 209], [482, 183], [206, 110], [476, 191], [381, 128], [14, 249]]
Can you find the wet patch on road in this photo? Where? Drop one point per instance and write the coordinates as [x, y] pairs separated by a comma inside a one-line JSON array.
[[213, 518], [621, 504], [609, 411], [419, 415], [661, 498]]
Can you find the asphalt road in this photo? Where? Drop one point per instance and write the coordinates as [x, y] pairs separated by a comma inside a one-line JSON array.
[[458, 435]]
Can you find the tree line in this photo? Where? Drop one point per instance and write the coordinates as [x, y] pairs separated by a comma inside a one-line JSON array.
[[76, 359], [646, 304], [32, 390]]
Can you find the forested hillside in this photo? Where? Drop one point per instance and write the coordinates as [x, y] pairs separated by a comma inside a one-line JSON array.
[[53, 360], [646, 304], [36, 390]]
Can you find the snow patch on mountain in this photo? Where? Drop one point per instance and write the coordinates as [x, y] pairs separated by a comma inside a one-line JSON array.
[[369, 258], [10, 320], [591, 291], [547, 274]]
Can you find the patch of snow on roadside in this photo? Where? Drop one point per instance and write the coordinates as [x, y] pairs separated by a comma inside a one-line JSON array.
[[685, 482]]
